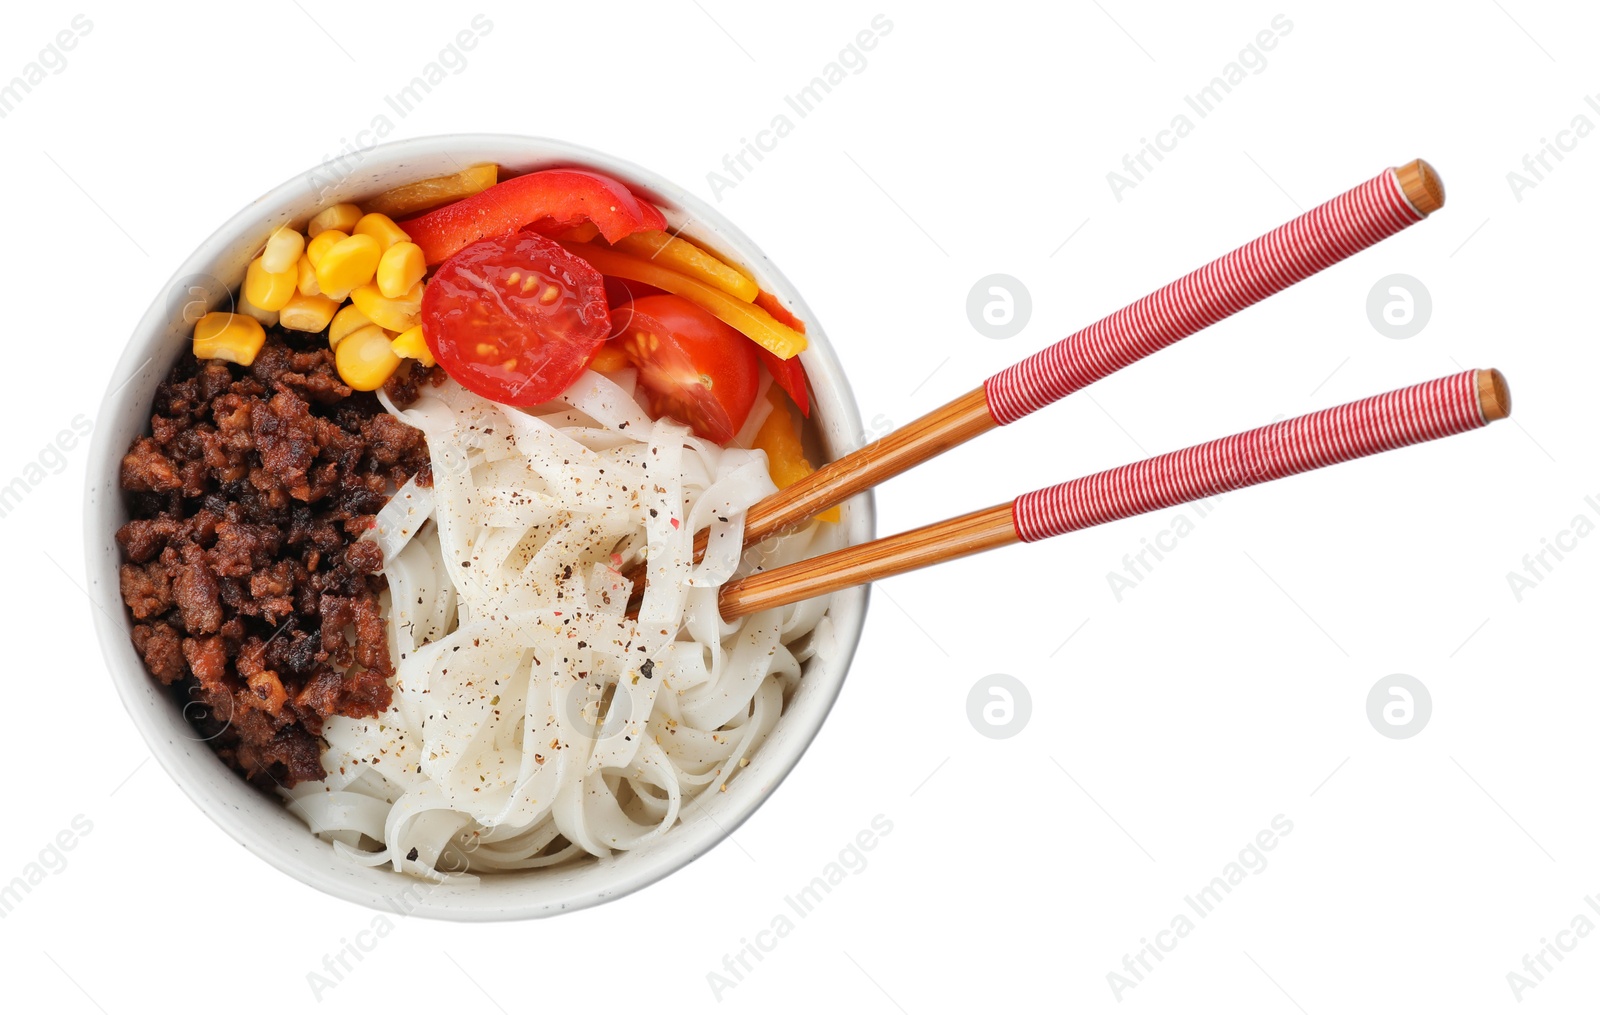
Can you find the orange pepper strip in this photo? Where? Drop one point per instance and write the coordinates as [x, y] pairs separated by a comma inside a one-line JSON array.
[[779, 437], [610, 359], [679, 254], [410, 198], [782, 341]]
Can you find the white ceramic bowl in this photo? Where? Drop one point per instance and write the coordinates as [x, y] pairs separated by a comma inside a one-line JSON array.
[[259, 822]]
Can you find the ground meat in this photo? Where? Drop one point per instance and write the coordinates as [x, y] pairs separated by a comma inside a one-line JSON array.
[[252, 594], [147, 589], [159, 644], [208, 661], [195, 590], [144, 467], [143, 538], [405, 384], [286, 440]]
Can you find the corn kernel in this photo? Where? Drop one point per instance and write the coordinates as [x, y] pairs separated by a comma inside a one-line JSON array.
[[365, 359], [349, 319], [392, 314], [401, 267], [283, 250], [233, 337], [324, 242], [342, 217], [349, 263], [382, 229], [412, 345], [307, 284], [307, 313], [266, 317], [268, 290]]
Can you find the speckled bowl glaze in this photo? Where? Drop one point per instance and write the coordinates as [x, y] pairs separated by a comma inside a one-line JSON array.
[[261, 823]]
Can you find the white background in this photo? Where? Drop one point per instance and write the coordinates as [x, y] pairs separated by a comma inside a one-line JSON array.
[[1167, 729]]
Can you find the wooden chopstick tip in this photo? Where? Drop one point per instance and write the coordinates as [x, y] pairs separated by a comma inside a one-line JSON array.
[[1422, 186], [1494, 395]]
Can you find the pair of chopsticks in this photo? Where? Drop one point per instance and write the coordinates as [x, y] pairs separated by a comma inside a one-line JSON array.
[[1325, 235]]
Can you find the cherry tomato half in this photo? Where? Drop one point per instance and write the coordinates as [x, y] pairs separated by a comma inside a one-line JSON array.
[[515, 318], [693, 367]]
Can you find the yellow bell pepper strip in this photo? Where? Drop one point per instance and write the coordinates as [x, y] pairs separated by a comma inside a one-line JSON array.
[[760, 326], [779, 437], [680, 255], [411, 198]]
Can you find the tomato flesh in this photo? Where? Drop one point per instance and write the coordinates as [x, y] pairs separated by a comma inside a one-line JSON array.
[[692, 366], [515, 318], [559, 196]]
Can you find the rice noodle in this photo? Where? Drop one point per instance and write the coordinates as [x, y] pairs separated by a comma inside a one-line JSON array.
[[507, 624]]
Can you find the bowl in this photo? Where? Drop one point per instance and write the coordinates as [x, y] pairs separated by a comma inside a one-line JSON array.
[[261, 823]]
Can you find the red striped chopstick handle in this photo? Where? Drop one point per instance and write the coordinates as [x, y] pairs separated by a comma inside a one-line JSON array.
[[1423, 412], [1322, 236]]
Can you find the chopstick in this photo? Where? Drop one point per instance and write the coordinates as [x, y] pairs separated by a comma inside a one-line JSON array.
[[1422, 412], [1325, 235]]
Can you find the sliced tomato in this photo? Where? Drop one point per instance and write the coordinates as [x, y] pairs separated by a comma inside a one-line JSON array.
[[789, 374], [693, 367], [562, 196], [515, 318]]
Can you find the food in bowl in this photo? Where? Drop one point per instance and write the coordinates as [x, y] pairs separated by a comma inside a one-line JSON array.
[[378, 526]]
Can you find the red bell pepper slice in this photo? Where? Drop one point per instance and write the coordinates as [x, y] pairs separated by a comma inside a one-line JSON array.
[[566, 196], [789, 374]]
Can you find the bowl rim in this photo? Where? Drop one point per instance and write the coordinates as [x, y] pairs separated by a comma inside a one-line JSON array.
[[152, 708]]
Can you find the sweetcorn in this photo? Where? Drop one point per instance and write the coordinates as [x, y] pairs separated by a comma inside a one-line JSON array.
[[307, 313], [342, 217], [349, 263], [302, 280], [266, 289], [322, 243], [412, 345], [382, 229], [349, 319], [401, 267], [283, 250], [395, 315], [233, 337], [266, 317], [365, 358], [308, 277]]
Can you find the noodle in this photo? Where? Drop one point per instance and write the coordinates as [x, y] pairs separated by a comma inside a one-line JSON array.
[[532, 721]]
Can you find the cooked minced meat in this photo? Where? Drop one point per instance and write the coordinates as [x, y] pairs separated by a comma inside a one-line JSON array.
[[251, 596]]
